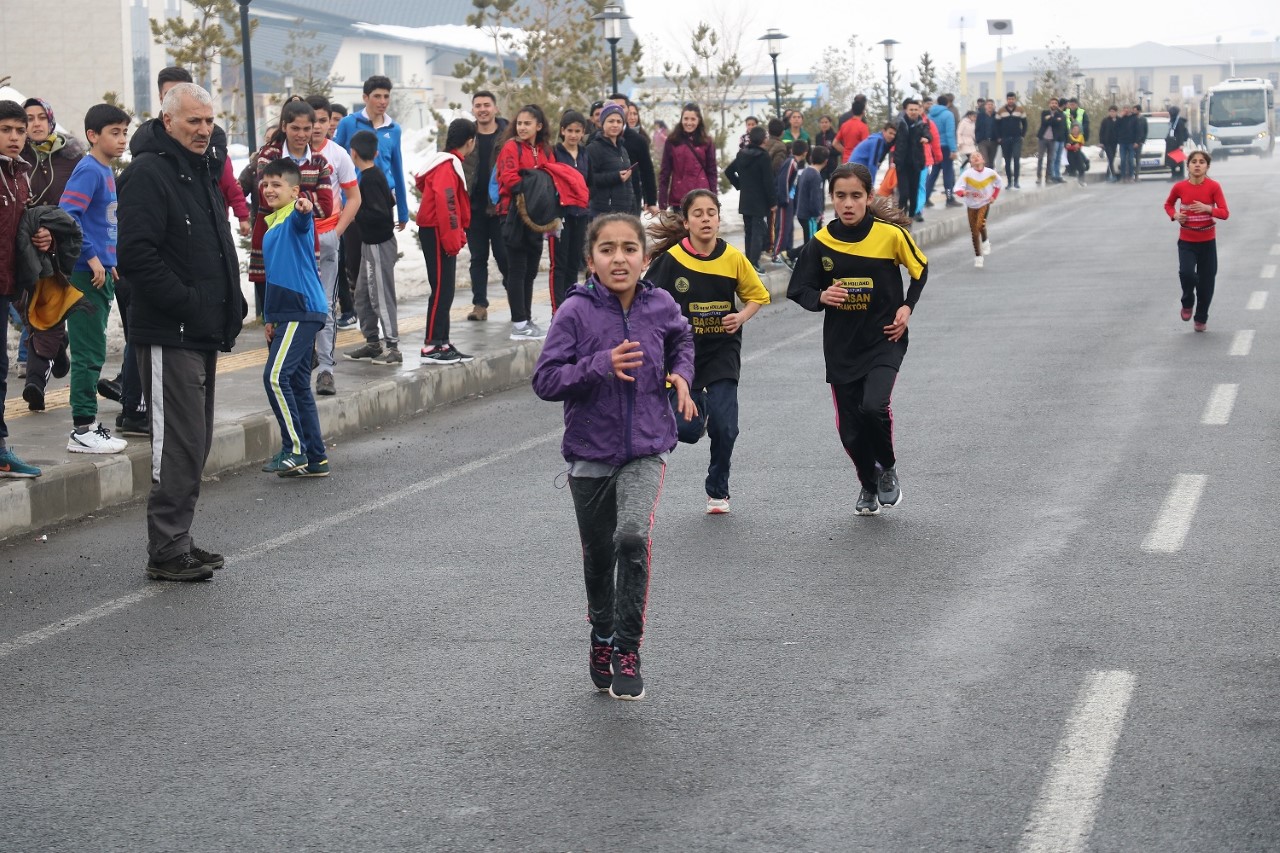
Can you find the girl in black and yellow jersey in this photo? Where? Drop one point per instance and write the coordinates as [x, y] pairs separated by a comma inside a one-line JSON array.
[[849, 270], [704, 274]]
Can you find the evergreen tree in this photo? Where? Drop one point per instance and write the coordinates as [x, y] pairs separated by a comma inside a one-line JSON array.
[[300, 60], [212, 34], [548, 52], [926, 82]]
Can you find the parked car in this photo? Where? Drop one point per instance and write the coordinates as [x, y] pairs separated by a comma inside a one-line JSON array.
[[1151, 159]]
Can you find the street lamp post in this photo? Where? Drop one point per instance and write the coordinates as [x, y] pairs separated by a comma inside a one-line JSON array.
[[1077, 76], [773, 36], [288, 86], [248, 74], [612, 17], [888, 76]]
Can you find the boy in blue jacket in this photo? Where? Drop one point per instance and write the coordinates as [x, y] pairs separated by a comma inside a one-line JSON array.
[[374, 118], [946, 122], [811, 200], [294, 309], [872, 150]]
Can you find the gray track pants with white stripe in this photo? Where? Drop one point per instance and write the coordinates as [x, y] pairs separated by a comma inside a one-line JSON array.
[[179, 385], [376, 292]]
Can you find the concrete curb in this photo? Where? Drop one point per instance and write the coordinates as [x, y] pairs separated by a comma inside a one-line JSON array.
[[81, 488]]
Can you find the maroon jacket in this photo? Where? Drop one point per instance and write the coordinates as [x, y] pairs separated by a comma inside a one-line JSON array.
[[14, 193], [49, 172], [686, 167]]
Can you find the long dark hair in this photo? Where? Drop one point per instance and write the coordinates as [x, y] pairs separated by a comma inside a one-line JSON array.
[[699, 135], [291, 110], [598, 224], [542, 138], [878, 206], [672, 227]]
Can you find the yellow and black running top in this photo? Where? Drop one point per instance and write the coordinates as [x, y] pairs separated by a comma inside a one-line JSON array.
[[863, 259], [705, 287]]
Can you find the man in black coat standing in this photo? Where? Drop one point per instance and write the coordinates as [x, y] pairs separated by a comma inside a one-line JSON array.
[[908, 156], [176, 249], [752, 175]]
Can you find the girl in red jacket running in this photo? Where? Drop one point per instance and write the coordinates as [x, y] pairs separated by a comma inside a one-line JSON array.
[[1194, 204], [443, 219], [527, 147]]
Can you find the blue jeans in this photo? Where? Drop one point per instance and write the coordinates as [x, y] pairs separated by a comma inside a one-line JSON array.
[[947, 170], [718, 417], [1058, 148], [287, 377], [22, 340], [1128, 161]]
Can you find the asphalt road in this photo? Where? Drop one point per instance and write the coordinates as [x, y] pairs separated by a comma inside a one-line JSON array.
[[1064, 639]]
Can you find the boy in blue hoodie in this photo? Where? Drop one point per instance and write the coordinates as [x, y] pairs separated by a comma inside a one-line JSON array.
[[374, 118], [294, 310], [946, 122]]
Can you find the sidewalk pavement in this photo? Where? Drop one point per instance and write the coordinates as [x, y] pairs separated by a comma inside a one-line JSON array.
[[369, 395]]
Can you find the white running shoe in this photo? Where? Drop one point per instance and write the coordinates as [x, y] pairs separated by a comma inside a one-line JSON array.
[[97, 440], [717, 506], [977, 262], [986, 247]]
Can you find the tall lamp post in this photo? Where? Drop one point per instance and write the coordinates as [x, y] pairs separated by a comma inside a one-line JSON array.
[[773, 36], [252, 141], [612, 17], [888, 76], [1077, 76]]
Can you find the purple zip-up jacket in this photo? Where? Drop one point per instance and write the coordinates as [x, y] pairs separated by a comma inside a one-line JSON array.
[[605, 419]]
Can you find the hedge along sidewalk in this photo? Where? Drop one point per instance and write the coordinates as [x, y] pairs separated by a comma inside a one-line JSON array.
[[366, 398]]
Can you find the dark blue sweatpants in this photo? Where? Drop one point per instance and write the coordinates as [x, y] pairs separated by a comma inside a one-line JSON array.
[[717, 417], [287, 378]]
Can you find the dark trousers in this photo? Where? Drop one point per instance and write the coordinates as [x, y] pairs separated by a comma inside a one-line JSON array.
[[485, 231], [909, 189], [43, 348], [522, 269], [615, 524], [948, 172], [566, 257], [349, 264], [754, 232], [785, 238], [131, 397], [442, 272], [4, 366], [345, 303], [989, 148], [1110, 151], [808, 227], [1198, 270], [717, 417], [864, 421], [1012, 151], [287, 378], [179, 385]]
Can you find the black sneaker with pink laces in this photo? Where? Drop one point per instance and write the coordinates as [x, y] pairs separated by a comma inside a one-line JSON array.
[[600, 657], [627, 683]]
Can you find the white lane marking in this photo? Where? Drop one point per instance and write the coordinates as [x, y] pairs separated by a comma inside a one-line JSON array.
[[1169, 530], [41, 634], [1063, 816], [1217, 412], [1268, 271], [1257, 301], [1275, 249], [1242, 342]]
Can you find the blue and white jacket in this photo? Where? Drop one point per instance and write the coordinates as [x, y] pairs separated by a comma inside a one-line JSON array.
[[294, 292]]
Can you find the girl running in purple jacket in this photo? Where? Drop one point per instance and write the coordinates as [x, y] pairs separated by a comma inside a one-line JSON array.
[[615, 344]]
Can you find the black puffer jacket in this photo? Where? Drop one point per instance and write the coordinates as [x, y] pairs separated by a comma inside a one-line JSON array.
[[607, 192], [175, 247], [34, 264]]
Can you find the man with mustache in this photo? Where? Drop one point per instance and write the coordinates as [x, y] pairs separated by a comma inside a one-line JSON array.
[[176, 249]]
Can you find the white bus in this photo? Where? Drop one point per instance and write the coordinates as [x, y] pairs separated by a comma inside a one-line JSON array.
[[1240, 117]]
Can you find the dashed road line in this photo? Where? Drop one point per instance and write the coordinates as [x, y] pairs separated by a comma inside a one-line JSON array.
[[1169, 531], [1217, 412], [1242, 342], [1063, 816], [1275, 249], [41, 634], [1268, 271], [1257, 301]]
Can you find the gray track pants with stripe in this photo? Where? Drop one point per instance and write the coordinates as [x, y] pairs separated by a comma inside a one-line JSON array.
[[376, 292], [179, 384]]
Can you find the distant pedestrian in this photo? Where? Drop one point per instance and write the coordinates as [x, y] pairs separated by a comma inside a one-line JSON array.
[[1141, 128], [444, 215], [810, 201], [178, 256], [705, 276], [1173, 142], [944, 120], [979, 187], [644, 183], [1194, 204], [825, 137], [568, 246], [966, 137], [615, 346], [485, 232], [376, 285], [985, 134], [776, 148], [872, 150], [688, 161], [528, 147], [850, 273], [795, 128], [1108, 139], [751, 122], [785, 191], [374, 119], [1075, 153], [611, 167], [852, 131], [751, 174], [1011, 127], [909, 156], [295, 310], [1076, 114], [1049, 136], [1129, 144]]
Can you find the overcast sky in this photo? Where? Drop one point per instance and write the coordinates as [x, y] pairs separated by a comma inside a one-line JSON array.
[[933, 25]]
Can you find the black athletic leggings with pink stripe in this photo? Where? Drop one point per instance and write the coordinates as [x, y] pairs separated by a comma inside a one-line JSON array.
[[864, 420]]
